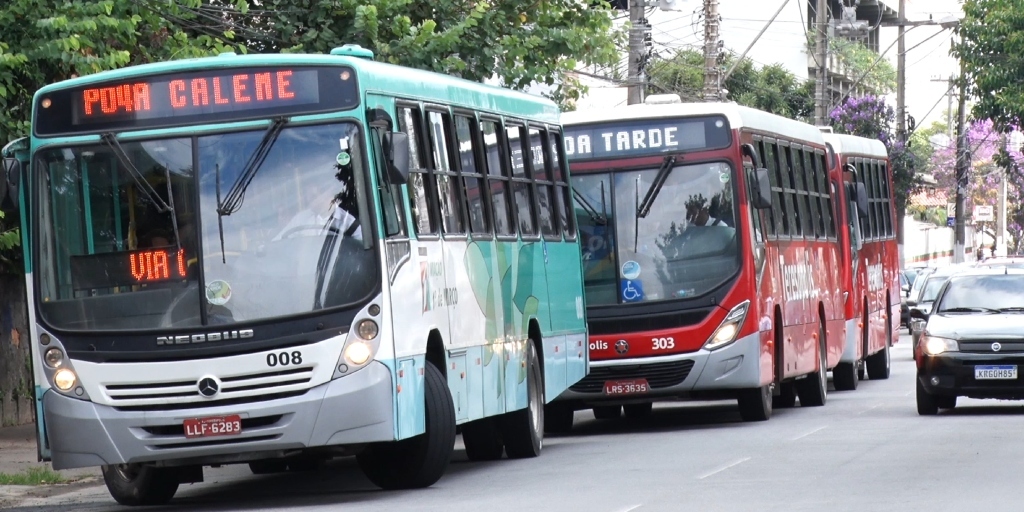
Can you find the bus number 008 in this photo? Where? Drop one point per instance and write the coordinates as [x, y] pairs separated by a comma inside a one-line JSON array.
[[284, 358], [663, 343]]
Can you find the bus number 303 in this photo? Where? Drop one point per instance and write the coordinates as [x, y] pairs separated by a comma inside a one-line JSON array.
[[663, 343], [284, 358]]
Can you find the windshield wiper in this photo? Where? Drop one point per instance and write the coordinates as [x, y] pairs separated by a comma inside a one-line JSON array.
[[659, 181], [969, 310], [110, 139], [236, 194], [595, 216], [1015, 309]]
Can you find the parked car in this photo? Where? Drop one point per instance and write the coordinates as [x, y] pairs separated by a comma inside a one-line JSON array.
[[972, 343], [920, 305], [905, 284]]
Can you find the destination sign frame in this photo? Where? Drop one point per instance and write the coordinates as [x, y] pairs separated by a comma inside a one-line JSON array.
[[645, 137], [194, 97]]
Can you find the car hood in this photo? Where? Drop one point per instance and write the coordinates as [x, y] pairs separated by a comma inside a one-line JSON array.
[[977, 325]]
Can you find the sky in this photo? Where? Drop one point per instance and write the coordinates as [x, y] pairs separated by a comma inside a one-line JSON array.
[[785, 42]]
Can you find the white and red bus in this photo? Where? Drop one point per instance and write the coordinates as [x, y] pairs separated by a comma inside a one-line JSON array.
[[710, 248], [862, 182]]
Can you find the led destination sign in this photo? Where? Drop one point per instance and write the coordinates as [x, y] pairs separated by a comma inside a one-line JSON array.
[[116, 269], [216, 95], [645, 137]]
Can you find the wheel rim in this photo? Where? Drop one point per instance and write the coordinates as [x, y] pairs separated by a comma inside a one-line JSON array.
[[127, 472], [822, 364], [536, 406]]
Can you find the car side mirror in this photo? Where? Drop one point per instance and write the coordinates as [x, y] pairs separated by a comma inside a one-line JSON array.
[[396, 149]]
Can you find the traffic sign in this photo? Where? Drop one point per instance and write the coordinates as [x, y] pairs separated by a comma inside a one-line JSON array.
[[984, 213]]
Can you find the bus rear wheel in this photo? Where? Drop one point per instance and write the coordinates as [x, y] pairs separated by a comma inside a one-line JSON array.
[[137, 485], [418, 461], [878, 363], [844, 376], [523, 430]]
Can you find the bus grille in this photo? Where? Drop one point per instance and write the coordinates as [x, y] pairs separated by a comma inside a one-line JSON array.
[[654, 322], [168, 395], [658, 375]]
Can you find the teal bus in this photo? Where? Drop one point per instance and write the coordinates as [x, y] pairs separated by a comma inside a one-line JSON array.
[[275, 260]]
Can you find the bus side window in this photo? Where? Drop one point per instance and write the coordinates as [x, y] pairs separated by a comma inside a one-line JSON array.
[[521, 188], [410, 122], [543, 186], [497, 180], [468, 137], [562, 192], [447, 181]]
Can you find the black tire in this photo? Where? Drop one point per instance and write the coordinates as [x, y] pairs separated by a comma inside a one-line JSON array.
[[422, 460], [844, 377], [860, 371], [483, 440], [523, 430], [305, 464], [927, 403], [755, 403], [786, 399], [638, 411], [136, 485], [558, 418], [878, 364], [813, 389], [608, 412], [268, 466], [946, 401]]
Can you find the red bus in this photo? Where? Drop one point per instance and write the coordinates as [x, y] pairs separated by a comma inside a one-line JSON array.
[[710, 250], [862, 181]]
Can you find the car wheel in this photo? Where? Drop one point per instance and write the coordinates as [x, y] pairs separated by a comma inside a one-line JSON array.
[[927, 403]]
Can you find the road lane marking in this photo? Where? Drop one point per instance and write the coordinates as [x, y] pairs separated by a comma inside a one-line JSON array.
[[801, 436], [723, 468], [876, 406], [634, 507]]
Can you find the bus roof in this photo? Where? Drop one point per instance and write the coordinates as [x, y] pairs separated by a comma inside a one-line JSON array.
[[853, 145], [738, 116], [373, 77]]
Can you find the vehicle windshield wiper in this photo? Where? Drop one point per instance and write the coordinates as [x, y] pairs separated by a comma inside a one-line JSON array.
[[595, 216], [1015, 309], [659, 181], [110, 139], [236, 194], [975, 309]]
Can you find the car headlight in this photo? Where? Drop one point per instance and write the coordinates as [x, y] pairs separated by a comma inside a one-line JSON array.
[[934, 345], [730, 327]]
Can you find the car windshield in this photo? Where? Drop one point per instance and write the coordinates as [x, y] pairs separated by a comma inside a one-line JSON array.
[[931, 288], [683, 246], [986, 293], [131, 236]]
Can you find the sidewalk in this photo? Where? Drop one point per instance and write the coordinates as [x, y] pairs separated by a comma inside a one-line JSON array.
[[18, 454]]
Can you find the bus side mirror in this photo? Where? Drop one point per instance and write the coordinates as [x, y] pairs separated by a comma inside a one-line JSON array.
[[762, 199], [396, 149], [862, 199], [10, 179]]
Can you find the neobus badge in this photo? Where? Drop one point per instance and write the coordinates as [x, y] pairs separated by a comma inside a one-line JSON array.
[[203, 338]]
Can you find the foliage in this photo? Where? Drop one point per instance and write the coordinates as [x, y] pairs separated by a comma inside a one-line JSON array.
[[869, 116], [770, 88], [10, 244], [41, 475], [991, 50], [880, 76]]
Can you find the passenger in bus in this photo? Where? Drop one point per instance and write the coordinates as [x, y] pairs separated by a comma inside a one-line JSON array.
[[321, 212], [705, 215]]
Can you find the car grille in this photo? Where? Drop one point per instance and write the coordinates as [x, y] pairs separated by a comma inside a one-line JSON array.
[[985, 346], [658, 375], [170, 395]]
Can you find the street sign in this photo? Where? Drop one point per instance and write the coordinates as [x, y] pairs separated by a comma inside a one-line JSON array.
[[950, 210], [950, 222], [984, 213]]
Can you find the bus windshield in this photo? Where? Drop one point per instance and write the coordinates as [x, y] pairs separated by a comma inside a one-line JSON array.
[[146, 248], [685, 245]]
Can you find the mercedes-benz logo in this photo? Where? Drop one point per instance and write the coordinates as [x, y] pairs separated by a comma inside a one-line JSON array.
[[621, 346], [208, 387], [996, 347]]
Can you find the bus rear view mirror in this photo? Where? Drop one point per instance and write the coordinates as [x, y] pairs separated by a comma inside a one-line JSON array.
[[396, 147], [762, 191], [862, 199], [10, 178]]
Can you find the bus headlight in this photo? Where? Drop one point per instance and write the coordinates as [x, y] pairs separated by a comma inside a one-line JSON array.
[[64, 379], [358, 353], [934, 345], [367, 329], [54, 357], [730, 327]]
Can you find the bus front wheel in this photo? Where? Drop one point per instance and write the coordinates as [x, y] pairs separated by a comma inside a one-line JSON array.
[[755, 403], [418, 461], [137, 485]]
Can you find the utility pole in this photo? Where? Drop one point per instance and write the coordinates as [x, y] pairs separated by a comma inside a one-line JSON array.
[[821, 61], [712, 83], [637, 51], [901, 78], [1001, 205], [961, 173]]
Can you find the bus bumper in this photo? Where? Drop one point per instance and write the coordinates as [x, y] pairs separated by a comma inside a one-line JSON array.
[[853, 335], [737, 366], [355, 409]]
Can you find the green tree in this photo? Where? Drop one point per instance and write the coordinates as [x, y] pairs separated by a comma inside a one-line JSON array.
[[991, 50]]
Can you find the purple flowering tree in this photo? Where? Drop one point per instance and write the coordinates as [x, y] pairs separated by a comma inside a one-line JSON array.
[[869, 116]]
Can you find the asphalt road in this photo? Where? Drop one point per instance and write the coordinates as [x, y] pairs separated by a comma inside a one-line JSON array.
[[865, 450]]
